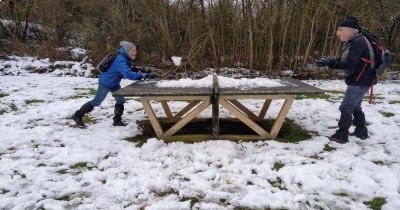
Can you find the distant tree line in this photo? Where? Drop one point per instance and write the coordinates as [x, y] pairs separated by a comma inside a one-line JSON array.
[[267, 35]]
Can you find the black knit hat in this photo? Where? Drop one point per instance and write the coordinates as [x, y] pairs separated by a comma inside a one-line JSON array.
[[350, 22]]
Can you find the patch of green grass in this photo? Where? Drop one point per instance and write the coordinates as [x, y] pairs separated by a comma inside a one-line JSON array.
[[342, 194], [79, 165], [328, 148], [2, 111], [278, 165], [394, 102], [374, 98], [335, 92], [193, 200], [77, 96], [3, 95], [378, 162], [316, 157], [32, 101], [64, 198], [92, 92], [292, 133], [62, 171], [313, 96], [224, 201], [41, 165], [13, 107], [167, 192], [277, 183], [376, 203], [387, 114]]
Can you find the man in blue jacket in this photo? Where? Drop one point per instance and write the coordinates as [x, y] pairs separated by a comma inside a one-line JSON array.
[[109, 81], [359, 74]]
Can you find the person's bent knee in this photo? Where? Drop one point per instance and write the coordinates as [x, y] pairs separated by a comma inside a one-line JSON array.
[[346, 109], [94, 103]]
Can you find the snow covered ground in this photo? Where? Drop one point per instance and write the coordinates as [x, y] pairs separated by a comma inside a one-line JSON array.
[[48, 163]]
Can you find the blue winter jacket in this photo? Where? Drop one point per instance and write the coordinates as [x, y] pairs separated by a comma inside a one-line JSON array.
[[119, 68]]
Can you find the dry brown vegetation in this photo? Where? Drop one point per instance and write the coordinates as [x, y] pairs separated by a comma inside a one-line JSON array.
[[267, 35]]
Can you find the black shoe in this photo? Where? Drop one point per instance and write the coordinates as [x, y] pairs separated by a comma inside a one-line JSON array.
[[359, 136], [78, 120], [119, 123], [341, 137], [360, 132]]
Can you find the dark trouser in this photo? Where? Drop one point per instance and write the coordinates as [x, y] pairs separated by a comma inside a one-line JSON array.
[[351, 105], [101, 94]]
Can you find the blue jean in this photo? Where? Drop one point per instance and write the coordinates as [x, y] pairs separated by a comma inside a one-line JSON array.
[[351, 105], [353, 98], [101, 94]]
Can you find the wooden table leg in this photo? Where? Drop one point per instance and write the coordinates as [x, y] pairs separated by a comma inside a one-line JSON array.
[[152, 117], [242, 113], [244, 109], [185, 120], [169, 114], [185, 110], [245, 119], [264, 109], [201, 105], [281, 116], [167, 110]]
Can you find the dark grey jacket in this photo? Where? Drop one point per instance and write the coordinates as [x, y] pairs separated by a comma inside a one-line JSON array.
[[357, 72]]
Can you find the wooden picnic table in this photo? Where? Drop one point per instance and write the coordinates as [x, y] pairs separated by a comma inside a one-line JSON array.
[[202, 97]]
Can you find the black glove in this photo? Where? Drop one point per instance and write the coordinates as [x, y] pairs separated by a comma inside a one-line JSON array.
[[323, 61], [145, 70]]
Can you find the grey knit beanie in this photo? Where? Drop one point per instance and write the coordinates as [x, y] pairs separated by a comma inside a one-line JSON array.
[[127, 45]]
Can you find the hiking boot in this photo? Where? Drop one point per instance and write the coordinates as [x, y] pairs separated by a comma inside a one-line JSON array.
[[78, 120], [119, 123], [118, 111], [340, 136], [360, 132], [77, 117]]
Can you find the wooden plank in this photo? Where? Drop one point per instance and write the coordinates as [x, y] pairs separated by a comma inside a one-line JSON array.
[[167, 110], [258, 129], [244, 109], [281, 116], [189, 138], [235, 97], [186, 109], [152, 117], [203, 105], [175, 98], [215, 108], [264, 109]]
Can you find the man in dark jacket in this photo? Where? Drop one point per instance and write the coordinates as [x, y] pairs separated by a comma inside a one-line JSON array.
[[109, 81], [358, 71]]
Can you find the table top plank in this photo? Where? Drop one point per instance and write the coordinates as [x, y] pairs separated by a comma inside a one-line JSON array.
[[149, 88], [291, 87]]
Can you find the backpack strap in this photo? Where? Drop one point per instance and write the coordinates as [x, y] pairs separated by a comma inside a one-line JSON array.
[[365, 67], [371, 93], [371, 52]]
